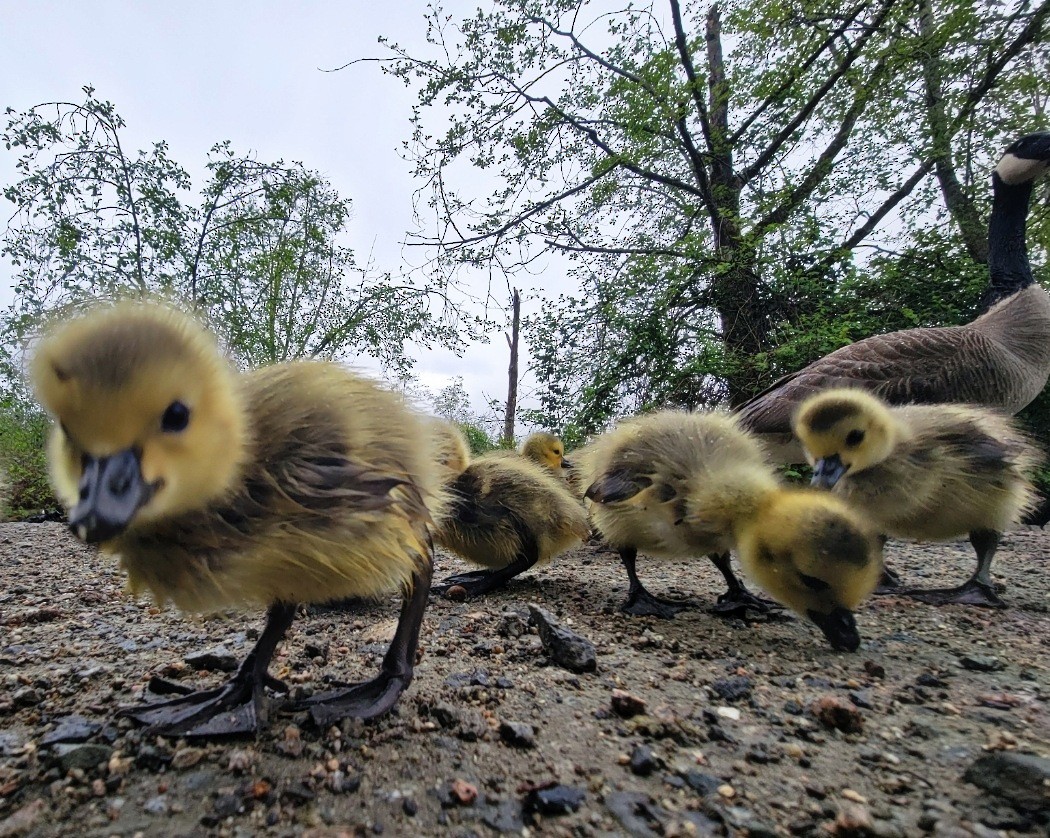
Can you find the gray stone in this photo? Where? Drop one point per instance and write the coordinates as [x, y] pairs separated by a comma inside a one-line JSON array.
[[566, 648], [1021, 779], [84, 757]]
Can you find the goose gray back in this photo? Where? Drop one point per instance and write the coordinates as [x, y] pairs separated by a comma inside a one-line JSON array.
[[1001, 359]]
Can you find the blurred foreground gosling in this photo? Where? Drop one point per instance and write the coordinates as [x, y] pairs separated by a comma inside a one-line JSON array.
[[299, 482], [507, 514], [930, 472]]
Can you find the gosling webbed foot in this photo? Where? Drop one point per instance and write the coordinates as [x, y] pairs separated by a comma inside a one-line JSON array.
[[641, 603], [889, 582], [738, 603], [237, 708], [971, 592], [356, 701]]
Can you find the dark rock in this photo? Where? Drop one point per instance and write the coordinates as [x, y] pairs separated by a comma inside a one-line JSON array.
[[27, 697], [838, 713], [1021, 779], [643, 761], [640, 816], [71, 729], [554, 800], [793, 707], [152, 758], [928, 679], [874, 670], [84, 757], [409, 807], [518, 734], [566, 648], [218, 659], [443, 714], [702, 783], [761, 755], [460, 680], [626, 705], [511, 624], [981, 663], [227, 805], [732, 689], [10, 744]]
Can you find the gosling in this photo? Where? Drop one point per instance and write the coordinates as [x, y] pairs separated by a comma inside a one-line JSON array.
[[924, 472], [295, 483]]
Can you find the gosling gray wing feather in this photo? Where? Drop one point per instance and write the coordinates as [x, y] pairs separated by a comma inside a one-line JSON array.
[[619, 484]]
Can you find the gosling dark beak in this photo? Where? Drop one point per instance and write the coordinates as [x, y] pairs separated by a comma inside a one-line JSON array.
[[839, 628], [828, 471], [566, 464], [112, 490]]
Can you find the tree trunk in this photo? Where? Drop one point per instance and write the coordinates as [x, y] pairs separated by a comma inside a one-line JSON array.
[[512, 373], [734, 286]]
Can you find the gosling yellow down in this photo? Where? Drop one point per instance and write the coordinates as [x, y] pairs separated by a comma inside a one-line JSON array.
[[299, 482], [925, 472]]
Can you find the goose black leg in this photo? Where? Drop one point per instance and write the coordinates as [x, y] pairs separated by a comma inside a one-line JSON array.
[[480, 582], [237, 707], [736, 601], [373, 698], [978, 589], [639, 601]]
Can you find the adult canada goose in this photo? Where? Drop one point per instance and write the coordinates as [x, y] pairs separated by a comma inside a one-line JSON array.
[[668, 483], [815, 554], [507, 514], [923, 471], [1001, 359], [547, 450], [299, 482]]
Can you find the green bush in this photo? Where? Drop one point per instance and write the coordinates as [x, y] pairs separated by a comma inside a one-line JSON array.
[[23, 437], [477, 439]]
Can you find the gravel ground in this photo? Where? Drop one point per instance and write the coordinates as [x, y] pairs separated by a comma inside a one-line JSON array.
[[694, 726]]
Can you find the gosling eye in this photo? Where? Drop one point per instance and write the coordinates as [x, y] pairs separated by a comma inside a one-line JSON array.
[[175, 418], [854, 438]]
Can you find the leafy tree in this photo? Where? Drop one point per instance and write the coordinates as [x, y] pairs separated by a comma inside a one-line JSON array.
[[724, 178], [259, 249]]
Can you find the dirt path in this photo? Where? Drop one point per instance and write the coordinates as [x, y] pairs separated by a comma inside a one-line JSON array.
[[723, 741]]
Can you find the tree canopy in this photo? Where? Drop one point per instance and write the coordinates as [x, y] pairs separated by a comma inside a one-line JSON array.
[[259, 248], [739, 187]]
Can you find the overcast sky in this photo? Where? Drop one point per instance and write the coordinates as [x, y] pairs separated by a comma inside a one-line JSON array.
[[194, 73]]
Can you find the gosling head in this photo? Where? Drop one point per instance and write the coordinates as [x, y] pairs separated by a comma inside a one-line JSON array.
[[547, 450], [818, 556], [844, 431], [149, 422]]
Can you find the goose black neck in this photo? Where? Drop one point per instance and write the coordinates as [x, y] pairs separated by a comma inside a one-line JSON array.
[[1008, 267]]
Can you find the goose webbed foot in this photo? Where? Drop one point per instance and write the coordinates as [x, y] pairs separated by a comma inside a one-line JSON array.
[[971, 592], [373, 698], [889, 582]]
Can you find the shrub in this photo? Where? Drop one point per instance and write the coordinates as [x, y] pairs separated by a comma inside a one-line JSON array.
[[23, 437]]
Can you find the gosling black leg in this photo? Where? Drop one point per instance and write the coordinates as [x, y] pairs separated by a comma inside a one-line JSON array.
[[375, 697], [978, 589], [639, 601], [736, 601], [480, 582], [237, 707], [890, 581]]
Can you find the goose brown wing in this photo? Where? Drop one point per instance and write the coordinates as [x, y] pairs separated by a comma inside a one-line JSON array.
[[913, 366]]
